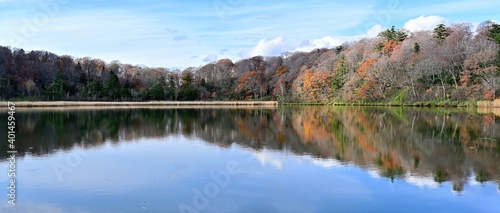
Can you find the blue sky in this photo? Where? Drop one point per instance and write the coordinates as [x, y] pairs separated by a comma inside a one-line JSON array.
[[192, 33]]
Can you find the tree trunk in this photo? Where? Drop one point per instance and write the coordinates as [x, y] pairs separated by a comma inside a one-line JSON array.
[[444, 88], [455, 80], [413, 89]]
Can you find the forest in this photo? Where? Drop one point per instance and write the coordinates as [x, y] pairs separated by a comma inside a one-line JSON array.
[[453, 63]]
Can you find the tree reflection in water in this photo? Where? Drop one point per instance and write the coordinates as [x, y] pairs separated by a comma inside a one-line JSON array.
[[448, 145]]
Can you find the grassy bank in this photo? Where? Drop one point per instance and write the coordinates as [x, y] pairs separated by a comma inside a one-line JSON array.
[[435, 103], [154, 103]]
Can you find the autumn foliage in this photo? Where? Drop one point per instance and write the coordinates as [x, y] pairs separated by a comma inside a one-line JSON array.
[[451, 62], [368, 63], [390, 47]]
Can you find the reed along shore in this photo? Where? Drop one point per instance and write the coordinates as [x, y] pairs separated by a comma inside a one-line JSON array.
[[153, 103]]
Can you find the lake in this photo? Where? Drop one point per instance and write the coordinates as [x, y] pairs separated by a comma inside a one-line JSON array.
[[285, 159]]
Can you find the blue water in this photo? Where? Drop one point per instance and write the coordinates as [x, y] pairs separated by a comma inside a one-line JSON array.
[[179, 172]]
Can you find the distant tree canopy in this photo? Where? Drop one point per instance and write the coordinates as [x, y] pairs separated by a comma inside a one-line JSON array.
[[495, 32], [448, 63], [394, 35], [391, 39], [440, 32]]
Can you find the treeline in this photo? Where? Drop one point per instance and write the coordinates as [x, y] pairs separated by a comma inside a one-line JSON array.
[[448, 63]]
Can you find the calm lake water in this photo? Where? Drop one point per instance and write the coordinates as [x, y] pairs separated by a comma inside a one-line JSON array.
[[287, 159]]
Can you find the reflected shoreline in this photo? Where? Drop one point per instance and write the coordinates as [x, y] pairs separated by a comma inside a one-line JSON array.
[[448, 146]]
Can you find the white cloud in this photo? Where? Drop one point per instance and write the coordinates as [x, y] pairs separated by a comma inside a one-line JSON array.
[[266, 157], [265, 47], [423, 23], [210, 58], [327, 163], [374, 31], [331, 42], [325, 42], [374, 173], [422, 182], [279, 45]]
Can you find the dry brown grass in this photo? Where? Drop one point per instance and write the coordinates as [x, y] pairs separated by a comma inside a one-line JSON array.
[[86, 108], [140, 104], [495, 103]]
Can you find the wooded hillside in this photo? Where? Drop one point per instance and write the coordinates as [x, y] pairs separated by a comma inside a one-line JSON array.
[[449, 63]]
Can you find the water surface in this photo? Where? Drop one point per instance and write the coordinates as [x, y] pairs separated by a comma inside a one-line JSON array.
[[288, 159]]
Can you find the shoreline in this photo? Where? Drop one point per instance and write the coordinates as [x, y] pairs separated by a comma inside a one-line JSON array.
[[420, 104], [445, 103], [28, 104]]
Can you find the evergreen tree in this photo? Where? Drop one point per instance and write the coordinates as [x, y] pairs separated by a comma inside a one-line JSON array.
[[55, 91], [416, 47], [172, 87], [112, 88], [440, 32], [188, 90], [340, 72], [495, 32], [393, 35], [95, 89], [495, 35], [156, 91], [83, 79], [4, 86]]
